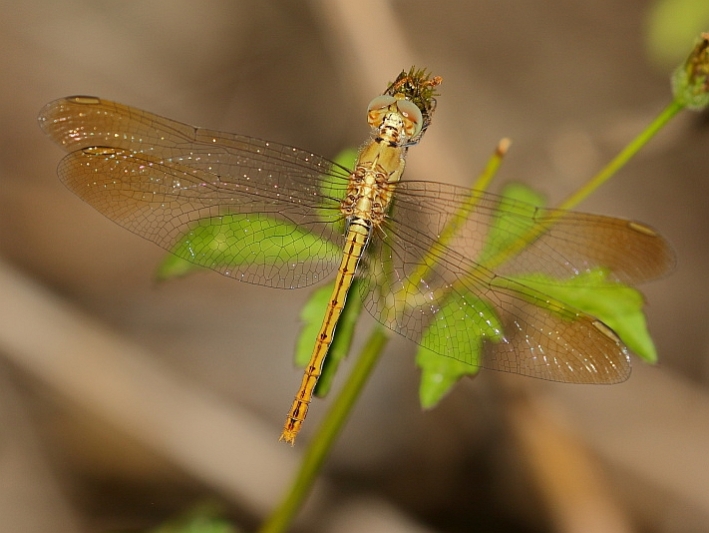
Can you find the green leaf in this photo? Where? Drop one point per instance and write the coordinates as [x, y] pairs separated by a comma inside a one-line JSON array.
[[203, 518], [521, 192], [312, 317], [173, 267], [506, 230], [615, 304], [672, 26], [347, 158], [618, 306], [438, 372], [241, 240], [217, 243]]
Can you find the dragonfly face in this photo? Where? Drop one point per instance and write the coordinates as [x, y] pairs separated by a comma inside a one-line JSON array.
[[468, 275], [393, 118]]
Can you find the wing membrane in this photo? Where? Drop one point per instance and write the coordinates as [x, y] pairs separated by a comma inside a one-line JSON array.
[[158, 177], [571, 242], [279, 205]]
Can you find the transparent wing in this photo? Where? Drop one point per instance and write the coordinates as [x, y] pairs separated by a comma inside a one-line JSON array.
[[536, 335], [280, 205], [570, 242], [162, 179]]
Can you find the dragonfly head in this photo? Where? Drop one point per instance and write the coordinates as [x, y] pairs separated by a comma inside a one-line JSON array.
[[393, 116]]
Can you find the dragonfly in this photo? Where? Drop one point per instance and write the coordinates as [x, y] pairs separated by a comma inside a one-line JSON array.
[[418, 249]]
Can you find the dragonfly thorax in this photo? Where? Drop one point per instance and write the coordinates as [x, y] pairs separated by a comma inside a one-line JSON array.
[[369, 192]]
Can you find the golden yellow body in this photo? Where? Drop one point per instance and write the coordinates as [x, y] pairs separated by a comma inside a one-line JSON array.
[[379, 167]]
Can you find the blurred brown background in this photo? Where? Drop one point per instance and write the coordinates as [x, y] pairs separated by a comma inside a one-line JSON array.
[[123, 402]]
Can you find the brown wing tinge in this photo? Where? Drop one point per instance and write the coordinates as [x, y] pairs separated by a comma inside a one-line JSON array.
[[546, 339]]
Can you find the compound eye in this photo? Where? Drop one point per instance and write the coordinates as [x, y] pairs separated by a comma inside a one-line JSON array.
[[380, 103], [412, 117], [378, 108]]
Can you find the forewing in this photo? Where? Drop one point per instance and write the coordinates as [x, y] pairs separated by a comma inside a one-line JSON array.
[[167, 182], [566, 243]]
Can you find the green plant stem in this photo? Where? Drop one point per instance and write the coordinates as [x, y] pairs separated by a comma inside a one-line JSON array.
[[428, 262], [322, 441], [624, 156], [599, 179]]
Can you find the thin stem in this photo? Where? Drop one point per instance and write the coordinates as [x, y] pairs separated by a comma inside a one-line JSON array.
[[428, 262], [329, 429], [624, 156], [599, 179]]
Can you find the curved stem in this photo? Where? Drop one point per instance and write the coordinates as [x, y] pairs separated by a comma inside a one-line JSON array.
[[328, 430], [624, 156], [591, 185]]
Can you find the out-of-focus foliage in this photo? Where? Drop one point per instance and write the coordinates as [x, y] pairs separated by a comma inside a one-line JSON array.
[[672, 27]]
